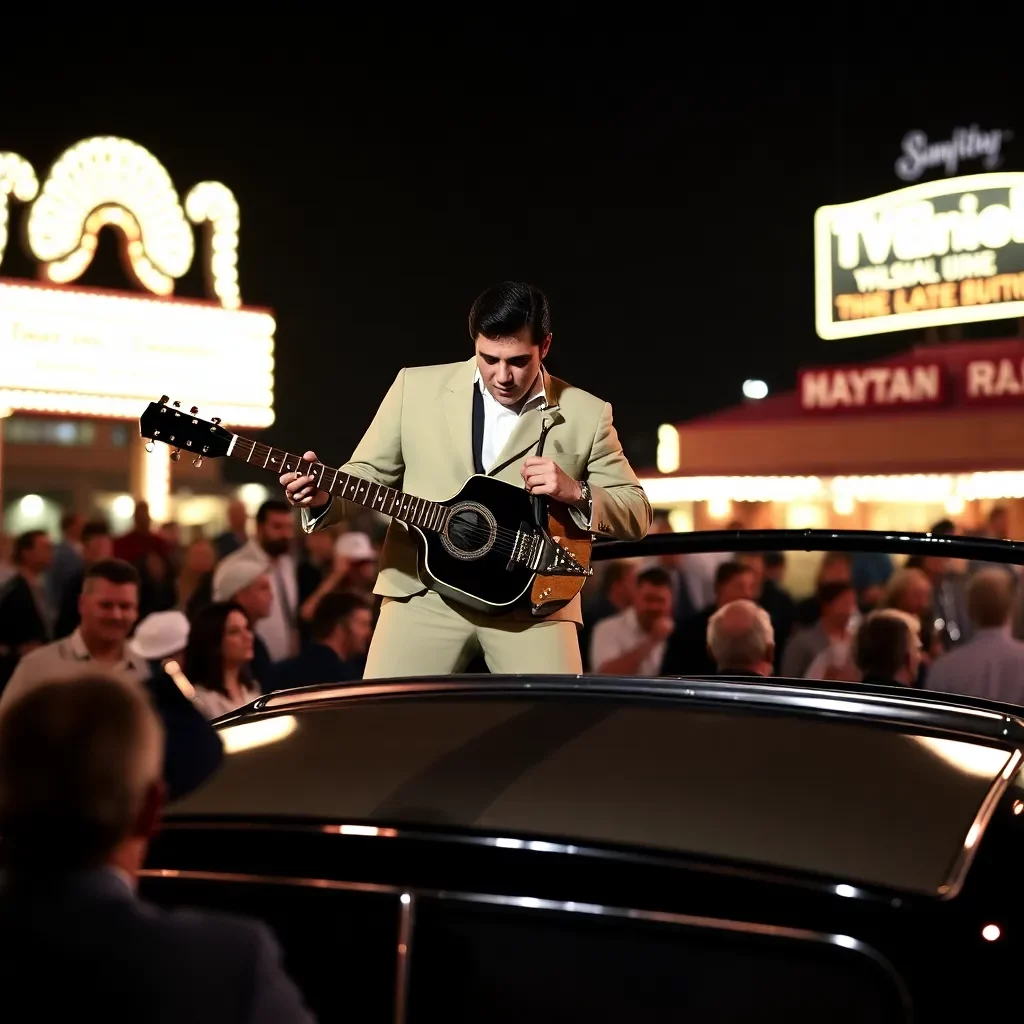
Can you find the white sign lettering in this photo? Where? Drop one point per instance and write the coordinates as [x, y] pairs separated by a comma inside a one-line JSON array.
[[990, 378], [920, 155], [860, 387], [108, 354]]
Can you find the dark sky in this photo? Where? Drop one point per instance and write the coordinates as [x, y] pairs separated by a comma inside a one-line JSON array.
[[384, 182]]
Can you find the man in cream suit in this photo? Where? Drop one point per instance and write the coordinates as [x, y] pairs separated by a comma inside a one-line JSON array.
[[437, 426]]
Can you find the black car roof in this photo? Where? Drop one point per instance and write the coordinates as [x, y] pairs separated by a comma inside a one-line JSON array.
[[866, 785]]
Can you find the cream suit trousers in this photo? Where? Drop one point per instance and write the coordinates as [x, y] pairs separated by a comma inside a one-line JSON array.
[[424, 635]]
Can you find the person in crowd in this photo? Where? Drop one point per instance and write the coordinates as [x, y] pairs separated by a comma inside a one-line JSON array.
[[741, 639], [67, 558], [109, 609], [887, 648], [171, 534], [218, 659], [141, 540], [870, 571], [81, 796], [910, 591], [26, 618], [341, 631], [97, 546], [991, 664], [615, 592], [193, 748], [237, 533], [632, 643], [834, 567], [687, 573], [997, 527], [354, 571], [687, 650], [275, 534], [777, 601], [243, 580], [836, 602], [948, 615], [197, 564]]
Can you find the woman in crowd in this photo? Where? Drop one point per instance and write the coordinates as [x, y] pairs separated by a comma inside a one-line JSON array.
[[218, 659]]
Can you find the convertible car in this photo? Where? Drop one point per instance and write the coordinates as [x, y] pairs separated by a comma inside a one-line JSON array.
[[595, 849]]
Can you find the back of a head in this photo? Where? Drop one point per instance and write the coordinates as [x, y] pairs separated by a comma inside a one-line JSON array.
[[740, 635], [882, 646], [333, 610], [76, 760], [990, 598]]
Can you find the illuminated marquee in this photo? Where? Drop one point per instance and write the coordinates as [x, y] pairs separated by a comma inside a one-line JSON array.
[[67, 350], [93, 352], [111, 182], [943, 252]]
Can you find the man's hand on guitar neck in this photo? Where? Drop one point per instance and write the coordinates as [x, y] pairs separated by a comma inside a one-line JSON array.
[[302, 491]]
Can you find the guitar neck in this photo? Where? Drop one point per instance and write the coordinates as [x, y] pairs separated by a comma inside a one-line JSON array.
[[429, 515]]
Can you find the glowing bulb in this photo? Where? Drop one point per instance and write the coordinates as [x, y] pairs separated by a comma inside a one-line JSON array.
[[843, 505], [954, 505], [123, 506], [668, 448], [755, 389], [991, 932], [31, 506], [719, 508]]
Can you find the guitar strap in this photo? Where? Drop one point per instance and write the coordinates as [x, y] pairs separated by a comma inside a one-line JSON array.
[[478, 431]]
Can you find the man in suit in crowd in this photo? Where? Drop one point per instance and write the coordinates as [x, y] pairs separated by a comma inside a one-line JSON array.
[[437, 426], [80, 797]]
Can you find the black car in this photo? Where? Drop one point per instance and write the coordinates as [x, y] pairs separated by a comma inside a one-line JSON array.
[[619, 849]]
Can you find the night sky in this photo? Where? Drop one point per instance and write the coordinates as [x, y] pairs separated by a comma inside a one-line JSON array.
[[384, 182]]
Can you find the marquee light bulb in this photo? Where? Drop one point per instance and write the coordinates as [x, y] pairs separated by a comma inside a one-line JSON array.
[[17, 180]]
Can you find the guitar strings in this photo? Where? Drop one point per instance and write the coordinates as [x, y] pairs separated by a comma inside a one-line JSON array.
[[505, 538]]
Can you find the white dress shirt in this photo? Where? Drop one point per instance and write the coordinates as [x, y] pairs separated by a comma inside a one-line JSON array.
[[278, 629], [620, 634], [499, 420]]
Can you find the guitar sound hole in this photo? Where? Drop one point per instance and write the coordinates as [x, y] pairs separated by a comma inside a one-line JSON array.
[[470, 532]]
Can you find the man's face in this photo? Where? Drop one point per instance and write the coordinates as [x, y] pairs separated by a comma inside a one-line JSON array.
[[256, 598], [108, 610], [652, 601], [98, 547], [509, 366], [40, 555], [275, 535], [359, 626], [742, 587]]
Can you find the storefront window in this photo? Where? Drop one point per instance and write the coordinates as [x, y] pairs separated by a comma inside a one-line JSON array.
[[29, 430]]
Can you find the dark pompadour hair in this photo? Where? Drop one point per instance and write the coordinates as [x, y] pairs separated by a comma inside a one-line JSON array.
[[506, 308]]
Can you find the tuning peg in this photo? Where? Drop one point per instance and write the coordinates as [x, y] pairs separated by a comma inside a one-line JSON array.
[[175, 455], [163, 399], [149, 446], [194, 410], [177, 405], [215, 420], [197, 461]]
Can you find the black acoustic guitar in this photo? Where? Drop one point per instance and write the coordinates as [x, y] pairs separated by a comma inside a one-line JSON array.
[[490, 547]]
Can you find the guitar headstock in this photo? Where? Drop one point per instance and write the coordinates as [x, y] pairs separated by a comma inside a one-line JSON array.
[[184, 431]]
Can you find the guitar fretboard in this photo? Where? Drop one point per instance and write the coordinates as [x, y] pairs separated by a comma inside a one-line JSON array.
[[429, 515]]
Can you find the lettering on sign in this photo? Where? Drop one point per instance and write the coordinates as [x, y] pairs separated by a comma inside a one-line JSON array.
[[942, 252], [863, 387], [988, 379], [919, 155]]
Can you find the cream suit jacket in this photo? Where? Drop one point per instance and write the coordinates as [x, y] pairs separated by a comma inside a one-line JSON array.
[[421, 442]]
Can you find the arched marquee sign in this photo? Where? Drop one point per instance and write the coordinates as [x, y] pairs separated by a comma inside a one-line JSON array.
[[95, 352]]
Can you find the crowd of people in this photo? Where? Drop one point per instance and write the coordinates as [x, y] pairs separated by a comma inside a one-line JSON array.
[[236, 615], [930, 622]]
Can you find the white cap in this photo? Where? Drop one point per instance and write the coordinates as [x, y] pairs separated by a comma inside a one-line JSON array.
[[160, 635], [236, 572], [354, 546]]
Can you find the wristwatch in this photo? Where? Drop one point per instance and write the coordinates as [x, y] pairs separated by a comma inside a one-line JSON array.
[[586, 498]]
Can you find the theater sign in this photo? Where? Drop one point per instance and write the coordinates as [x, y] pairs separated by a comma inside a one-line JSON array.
[[949, 251]]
